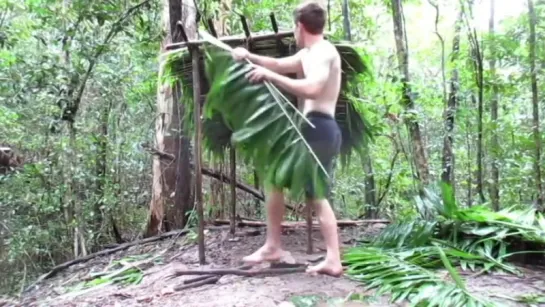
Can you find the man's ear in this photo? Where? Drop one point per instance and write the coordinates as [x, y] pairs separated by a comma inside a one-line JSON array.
[[301, 26]]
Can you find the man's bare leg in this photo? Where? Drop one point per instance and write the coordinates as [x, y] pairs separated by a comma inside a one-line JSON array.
[[328, 225], [272, 250]]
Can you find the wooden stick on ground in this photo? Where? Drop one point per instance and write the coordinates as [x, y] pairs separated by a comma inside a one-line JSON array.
[[207, 280], [54, 271], [239, 272], [341, 223]]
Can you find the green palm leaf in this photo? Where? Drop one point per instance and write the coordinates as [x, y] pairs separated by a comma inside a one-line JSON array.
[[396, 273], [357, 132], [265, 127]]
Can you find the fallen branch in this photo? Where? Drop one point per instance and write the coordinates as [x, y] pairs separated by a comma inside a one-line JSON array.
[[207, 280], [239, 272], [197, 279], [342, 223], [227, 180], [54, 271], [208, 172]]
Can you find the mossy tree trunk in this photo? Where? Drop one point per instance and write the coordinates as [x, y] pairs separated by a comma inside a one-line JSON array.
[[172, 180]]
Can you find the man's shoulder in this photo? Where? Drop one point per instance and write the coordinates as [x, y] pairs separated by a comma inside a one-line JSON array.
[[326, 50]]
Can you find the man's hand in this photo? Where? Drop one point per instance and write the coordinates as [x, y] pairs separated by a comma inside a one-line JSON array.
[[259, 74], [240, 54]]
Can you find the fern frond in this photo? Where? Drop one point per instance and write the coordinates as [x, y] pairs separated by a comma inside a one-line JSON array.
[[390, 272]]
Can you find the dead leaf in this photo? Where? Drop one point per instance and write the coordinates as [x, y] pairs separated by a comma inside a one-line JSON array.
[[122, 296], [145, 299], [167, 291]]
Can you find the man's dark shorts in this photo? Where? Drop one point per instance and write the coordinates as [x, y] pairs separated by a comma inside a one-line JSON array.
[[325, 140]]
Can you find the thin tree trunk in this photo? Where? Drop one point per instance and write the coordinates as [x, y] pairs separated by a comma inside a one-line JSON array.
[[370, 188], [257, 202], [214, 194], [80, 246], [448, 142], [233, 166], [101, 165], [477, 57], [222, 191], [171, 187], [469, 141], [535, 103], [494, 186], [346, 21], [407, 97]]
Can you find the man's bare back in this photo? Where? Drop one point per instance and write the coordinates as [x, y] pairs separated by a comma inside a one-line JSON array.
[[323, 60]]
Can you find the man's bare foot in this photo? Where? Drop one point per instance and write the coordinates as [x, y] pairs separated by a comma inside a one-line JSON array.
[[263, 254], [327, 267]]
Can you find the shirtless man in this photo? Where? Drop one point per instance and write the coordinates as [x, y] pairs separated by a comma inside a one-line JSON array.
[[319, 62]]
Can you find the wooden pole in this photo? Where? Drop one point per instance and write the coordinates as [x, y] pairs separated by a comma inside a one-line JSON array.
[[233, 164], [309, 228], [197, 149]]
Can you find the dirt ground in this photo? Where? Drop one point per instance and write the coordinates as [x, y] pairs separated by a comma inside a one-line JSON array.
[[224, 251]]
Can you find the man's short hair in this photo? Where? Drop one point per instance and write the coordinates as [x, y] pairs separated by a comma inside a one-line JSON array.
[[312, 16]]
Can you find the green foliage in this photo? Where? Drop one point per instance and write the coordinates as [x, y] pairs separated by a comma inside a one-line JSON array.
[[50, 53], [399, 260], [402, 274], [263, 124], [47, 48]]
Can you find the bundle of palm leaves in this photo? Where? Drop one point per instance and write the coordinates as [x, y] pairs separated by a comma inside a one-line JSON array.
[[401, 260], [357, 132], [265, 126]]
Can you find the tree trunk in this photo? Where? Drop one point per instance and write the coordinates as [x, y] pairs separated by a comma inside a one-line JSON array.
[[101, 142], [233, 205], [257, 202], [477, 56], [535, 103], [494, 186], [346, 21], [172, 186], [370, 188], [421, 160], [448, 142]]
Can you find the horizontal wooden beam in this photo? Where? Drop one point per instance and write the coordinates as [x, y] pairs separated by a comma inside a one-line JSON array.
[[232, 39]]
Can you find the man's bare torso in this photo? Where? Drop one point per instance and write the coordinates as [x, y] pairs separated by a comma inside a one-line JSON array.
[[327, 100]]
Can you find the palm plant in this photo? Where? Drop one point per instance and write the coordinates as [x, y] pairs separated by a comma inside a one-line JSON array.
[[401, 259]]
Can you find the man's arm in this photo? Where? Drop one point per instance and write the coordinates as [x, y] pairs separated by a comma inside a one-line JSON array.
[[286, 65], [316, 77]]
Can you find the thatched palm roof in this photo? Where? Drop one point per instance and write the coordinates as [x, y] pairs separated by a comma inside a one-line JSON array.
[[355, 65]]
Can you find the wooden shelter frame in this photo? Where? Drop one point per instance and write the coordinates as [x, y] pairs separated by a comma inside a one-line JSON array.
[[194, 49], [199, 90]]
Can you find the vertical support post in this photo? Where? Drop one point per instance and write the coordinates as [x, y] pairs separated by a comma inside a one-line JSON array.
[[308, 210], [211, 27], [257, 202], [197, 150], [233, 164], [274, 23]]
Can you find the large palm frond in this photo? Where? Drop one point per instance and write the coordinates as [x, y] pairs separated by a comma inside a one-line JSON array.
[[401, 274], [265, 127], [357, 132], [445, 235]]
